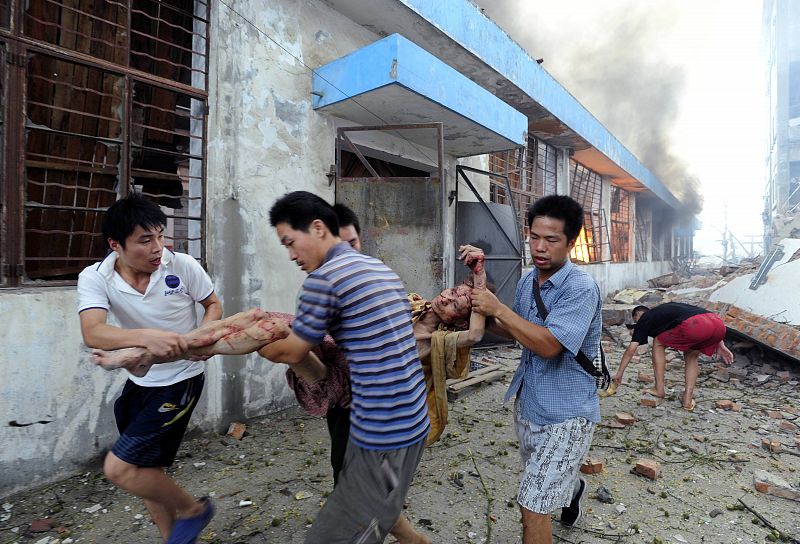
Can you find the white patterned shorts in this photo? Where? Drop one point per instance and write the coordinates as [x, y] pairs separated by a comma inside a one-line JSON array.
[[551, 457]]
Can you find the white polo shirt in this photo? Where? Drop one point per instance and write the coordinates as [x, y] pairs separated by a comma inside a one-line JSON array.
[[167, 304]]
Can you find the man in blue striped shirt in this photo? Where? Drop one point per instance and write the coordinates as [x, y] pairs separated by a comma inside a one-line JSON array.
[[557, 406], [362, 304]]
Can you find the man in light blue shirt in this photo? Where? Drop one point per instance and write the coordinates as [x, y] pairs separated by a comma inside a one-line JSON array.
[[557, 406]]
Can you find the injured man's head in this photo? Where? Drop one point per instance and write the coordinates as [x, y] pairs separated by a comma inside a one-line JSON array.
[[453, 305]]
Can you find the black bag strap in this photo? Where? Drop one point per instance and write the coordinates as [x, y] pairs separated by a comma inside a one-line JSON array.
[[581, 357]]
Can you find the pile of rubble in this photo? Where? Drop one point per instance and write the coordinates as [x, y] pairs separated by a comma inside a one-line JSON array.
[[724, 292]]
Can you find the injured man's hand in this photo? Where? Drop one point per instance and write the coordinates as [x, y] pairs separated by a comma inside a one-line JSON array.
[[238, 334]]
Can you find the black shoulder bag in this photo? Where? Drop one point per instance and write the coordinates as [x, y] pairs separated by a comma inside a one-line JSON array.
[[602, 378]]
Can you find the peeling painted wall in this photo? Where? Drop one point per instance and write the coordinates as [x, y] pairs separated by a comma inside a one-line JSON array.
[[60, 402]]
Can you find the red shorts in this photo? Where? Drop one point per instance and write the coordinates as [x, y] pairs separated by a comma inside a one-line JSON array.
[[701, 332]]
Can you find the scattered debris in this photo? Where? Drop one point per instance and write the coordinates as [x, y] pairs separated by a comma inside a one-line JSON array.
[[591, 466], [771, 484], [236, 430], [41, 525], [647, 468], [650, 401], [604, 495]]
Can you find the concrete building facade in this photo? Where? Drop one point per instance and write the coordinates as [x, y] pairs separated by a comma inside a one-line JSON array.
[[781, 38], [217, 109]]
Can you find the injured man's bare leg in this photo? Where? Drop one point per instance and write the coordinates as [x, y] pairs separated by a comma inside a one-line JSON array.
[[238, 334]]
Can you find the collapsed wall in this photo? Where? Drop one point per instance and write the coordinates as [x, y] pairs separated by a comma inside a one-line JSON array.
[[757, 299]]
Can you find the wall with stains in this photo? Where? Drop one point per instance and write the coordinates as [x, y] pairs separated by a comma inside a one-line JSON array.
[[56, 407], [264, 140]]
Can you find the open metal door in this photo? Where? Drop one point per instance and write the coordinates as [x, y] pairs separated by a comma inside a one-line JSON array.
[[402, 217], [496, 230]]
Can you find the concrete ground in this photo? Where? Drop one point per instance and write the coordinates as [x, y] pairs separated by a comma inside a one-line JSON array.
[[269, 486]]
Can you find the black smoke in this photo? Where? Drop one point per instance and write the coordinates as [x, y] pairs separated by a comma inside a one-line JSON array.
[[610, 64]]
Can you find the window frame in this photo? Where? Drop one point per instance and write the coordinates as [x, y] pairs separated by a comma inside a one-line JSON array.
[[15, 49]]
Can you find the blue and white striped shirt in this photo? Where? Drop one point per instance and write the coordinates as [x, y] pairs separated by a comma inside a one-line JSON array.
[[551, 391], [363, 305]]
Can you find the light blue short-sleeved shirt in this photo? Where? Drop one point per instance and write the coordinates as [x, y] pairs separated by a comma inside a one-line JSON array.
[[551, 391]]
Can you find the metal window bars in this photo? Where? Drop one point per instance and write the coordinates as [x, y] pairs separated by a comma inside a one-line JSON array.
[[620, 225], [100, 101], [531, 173], [643, 236], [586, 187], [165, 38]]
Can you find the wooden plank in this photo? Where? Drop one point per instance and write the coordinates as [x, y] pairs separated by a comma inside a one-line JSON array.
[[465, 389], [474, 373], [488, 377]]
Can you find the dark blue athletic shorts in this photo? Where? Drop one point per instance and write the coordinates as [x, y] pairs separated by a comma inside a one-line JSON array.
[[152, 421]]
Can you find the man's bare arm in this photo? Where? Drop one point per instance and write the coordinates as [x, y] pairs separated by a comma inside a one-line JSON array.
[[626, 359], [97, 333], [534, 337], [213, 308], [290, 350]]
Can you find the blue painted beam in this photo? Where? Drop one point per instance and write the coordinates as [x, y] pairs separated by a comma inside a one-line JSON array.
[[394, 60], [462, 22]]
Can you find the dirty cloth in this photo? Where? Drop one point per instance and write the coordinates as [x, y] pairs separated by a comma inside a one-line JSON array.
[[318, 398], [446, 361], [701, 332]]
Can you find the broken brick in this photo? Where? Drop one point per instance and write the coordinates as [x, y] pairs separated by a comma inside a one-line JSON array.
[[771, 484], [721, 375], [644, 377], [770, 445], [724, 404], [736, 407], [650, 401], [41, 525], [647, 468], [698, 437], [236, 430], [592, 466], [784, 376], [625, 418], [774, 414], [788, 426], [613, 424], [672, 356]]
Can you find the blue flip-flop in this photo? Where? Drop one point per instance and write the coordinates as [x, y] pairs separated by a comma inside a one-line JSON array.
[[186, 531]]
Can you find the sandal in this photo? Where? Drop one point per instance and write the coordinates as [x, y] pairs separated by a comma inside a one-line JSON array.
[[691, 406]]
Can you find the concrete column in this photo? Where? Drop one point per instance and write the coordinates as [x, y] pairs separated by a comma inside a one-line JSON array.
[[605, 206], [563, 170]]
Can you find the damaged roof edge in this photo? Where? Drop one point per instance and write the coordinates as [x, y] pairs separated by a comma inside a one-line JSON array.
[[463, 22]]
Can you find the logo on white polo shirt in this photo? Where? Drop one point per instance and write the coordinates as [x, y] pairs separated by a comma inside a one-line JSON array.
[[174, 284]]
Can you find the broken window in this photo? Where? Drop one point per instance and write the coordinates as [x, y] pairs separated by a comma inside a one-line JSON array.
[[586, 187], [644, 229], [620, 225], [531, 172], [114, 101], [72, 159]]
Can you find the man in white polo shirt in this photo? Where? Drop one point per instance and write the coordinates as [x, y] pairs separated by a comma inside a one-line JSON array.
[[151, 293]]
